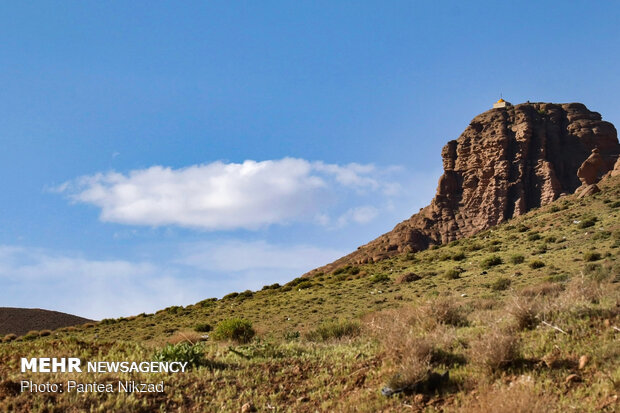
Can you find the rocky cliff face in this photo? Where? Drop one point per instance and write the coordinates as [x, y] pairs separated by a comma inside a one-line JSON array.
[[506, 162]]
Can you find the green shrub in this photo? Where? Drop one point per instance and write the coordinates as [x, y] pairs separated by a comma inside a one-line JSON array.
[[599, 272], [203, 328], [304, 284], [473, 247], [550, 239], [536, 264], [377, 278], [591, 256], [230, 296], [501, 284], [491, 261], [452, 274], [272, 287], [334, 330], [235, 329], [407, 278], [342, 270], [291, 335], [588, 222], [207, 303], [533, 236], [31, 335], [600, 235], [299, 280], [184, 352], [557, 278], [615, 204], [175, 309], [459, 256], [245, 294], [517, 259], [542, 249]]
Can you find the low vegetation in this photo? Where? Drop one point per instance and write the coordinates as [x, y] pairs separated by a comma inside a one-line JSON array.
[[235, 329], [487, 323], [333, 330], [193, 354]]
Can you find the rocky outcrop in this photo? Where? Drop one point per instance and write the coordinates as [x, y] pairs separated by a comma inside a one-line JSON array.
[[592, 169], [589, 173], [506, 162]]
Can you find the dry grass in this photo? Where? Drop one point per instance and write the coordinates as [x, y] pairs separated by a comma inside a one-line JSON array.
[[485, 303], [447, 311], [515, 398], [186, 336], [409, 348], [9, 337], [407, 354], [544, 289], [427, 317], [411, 359], [525, 311], [584, 289], [495, 350], [580, 291]]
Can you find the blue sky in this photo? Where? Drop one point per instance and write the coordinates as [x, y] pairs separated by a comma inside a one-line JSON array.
[[159, 153]]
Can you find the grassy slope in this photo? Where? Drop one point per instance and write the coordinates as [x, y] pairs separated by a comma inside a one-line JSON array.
[[279, 372]]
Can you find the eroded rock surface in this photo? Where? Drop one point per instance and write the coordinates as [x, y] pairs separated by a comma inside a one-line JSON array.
[[506, 162]]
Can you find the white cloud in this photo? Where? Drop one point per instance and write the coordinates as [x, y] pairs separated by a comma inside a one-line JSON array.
[[225, 196]]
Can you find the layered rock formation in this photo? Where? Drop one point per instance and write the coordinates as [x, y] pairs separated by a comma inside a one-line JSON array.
[[506, 162]]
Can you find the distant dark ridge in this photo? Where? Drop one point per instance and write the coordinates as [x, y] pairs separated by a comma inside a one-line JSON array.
[[21, 320]]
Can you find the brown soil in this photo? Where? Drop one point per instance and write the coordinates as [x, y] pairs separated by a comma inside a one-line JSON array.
[[21, 320]]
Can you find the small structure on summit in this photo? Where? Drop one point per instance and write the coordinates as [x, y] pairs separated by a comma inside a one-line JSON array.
[[501, 103]]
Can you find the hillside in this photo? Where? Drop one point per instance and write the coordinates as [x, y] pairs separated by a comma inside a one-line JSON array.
[[21, 320], [521, 316]]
